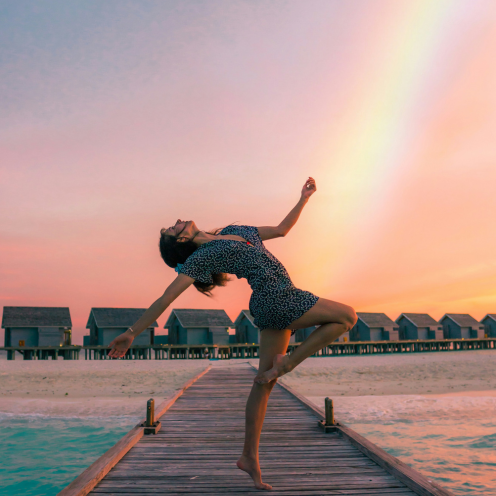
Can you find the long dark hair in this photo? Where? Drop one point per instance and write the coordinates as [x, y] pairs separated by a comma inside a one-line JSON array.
[[174, 252]]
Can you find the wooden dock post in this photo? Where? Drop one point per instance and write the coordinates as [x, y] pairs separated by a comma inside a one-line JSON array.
[[151, 427], [329, 411], [150, 412], [328, 424]]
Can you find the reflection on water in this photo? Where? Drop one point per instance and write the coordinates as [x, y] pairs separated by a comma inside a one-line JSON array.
[[449, 439], [41, 455]]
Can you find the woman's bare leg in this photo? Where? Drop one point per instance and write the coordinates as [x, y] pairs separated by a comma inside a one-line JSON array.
[[334, 319], [272, 343]]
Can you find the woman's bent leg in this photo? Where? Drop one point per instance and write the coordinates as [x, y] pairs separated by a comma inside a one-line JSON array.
[[272, 344], [334, 319]]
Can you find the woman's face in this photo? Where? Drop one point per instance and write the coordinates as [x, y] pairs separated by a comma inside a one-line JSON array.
[[182, 230]]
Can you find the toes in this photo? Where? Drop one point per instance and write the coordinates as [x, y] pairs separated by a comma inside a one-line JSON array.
[[262, 485]]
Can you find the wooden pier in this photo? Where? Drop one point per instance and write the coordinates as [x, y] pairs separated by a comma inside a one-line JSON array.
[[246, 350], [43, 352], [201, 436]]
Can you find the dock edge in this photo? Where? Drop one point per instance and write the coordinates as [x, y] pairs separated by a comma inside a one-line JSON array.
[[88, 479]]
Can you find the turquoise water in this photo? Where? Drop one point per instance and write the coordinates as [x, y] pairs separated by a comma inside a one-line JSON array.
[[41, 455], [451, 439], [459, 456]]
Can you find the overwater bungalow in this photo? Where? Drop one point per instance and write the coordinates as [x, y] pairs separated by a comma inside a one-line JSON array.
[[461, 325], [197, 326], [343, 338], [37, 326], [246, 330], [105, 324], [302, 334], [374, 327], [161, 339], [418, 326], [489, 322]]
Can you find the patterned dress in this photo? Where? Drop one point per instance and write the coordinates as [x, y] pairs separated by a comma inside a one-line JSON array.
[[275, 301]]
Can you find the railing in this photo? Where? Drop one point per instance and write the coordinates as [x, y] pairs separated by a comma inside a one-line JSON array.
[[244, 350]]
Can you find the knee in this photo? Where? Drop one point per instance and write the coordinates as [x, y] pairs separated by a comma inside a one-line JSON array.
[[350, 318]]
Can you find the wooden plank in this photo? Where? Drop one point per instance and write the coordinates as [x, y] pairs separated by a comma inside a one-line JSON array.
[[403, 472], [341, 478], [288, 490], [86, 481], [319, 413], [330, 492], [319, 474], [202, 435]]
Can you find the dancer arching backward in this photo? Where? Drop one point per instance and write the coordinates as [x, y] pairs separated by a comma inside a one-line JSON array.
[[278, 307]]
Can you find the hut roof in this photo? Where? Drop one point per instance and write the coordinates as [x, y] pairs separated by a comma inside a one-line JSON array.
[[244, 313], [116, 317], [376, 319], [36, 317], [419, 319], [193, 317], [462, 319], [489, 316]]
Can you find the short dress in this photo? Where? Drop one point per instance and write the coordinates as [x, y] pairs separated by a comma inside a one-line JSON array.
[[275, 301]]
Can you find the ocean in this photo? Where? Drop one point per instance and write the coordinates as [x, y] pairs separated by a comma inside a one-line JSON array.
[[449, 438], [41, 455]]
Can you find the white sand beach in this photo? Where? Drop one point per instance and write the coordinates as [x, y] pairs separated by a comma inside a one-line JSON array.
[[90, 388], [109, 388], [396, 374], [407, 387]]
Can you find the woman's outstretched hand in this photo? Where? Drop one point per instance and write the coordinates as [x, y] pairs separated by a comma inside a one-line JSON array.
[[120, 345], [309, 188]]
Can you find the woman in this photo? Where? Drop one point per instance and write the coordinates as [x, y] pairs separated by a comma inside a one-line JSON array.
[[278, 307]]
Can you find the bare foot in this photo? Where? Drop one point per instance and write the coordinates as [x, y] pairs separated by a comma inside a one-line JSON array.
[[252, 468], [280, 367]]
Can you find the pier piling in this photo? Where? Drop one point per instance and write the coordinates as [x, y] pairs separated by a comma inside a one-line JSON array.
[[150, 425]]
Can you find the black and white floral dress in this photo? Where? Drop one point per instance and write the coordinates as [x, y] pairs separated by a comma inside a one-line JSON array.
[[275, 301]]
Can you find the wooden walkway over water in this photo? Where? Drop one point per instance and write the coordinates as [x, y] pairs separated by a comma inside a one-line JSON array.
[[246, 350], [201, 437]]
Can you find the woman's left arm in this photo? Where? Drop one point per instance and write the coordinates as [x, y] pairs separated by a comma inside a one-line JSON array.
[[268, 232]]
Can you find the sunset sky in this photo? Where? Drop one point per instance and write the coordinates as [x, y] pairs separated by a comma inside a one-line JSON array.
[[119, 117]]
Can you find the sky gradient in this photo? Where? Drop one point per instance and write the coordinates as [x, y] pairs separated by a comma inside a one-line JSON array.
[[120, 117]]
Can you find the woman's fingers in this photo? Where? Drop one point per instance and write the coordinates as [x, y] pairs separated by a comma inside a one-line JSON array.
[[111, 353], [309, 188], [119, 346], [114, 352]]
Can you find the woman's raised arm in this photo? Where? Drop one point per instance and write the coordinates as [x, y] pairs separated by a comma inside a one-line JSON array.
[[122, 343], [269, 232]]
